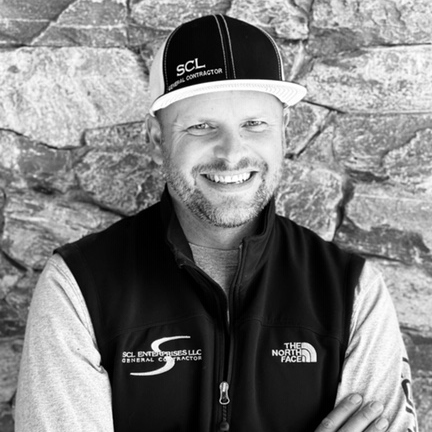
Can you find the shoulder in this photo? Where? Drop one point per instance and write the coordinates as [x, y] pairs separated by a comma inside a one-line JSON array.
[[308, 245], [109, 255], [301, 234], [371, 287], [374, 312], [114, 238], [371, 279], [56, 277], [58, 297]]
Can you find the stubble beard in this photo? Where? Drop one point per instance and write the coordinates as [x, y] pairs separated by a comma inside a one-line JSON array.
[[230, 213]]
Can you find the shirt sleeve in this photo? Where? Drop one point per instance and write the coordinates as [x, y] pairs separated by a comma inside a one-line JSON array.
[[376, 363], [62, 385]]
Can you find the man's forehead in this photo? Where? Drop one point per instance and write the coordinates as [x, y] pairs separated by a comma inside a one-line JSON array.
[[243, 102]]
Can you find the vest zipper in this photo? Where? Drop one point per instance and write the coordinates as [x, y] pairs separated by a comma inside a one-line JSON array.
[[228, 318], [224, 399]]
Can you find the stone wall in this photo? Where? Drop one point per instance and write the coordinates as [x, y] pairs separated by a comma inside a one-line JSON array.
[[73, 159]]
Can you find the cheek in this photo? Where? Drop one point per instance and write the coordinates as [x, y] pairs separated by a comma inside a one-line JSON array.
[[181, 159], [188, 155], [273, 153]]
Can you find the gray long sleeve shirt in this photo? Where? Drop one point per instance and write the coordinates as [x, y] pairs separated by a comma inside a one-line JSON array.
[[63, 386]]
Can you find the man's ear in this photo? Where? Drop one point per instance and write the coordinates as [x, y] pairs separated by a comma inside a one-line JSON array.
[[154, 134]]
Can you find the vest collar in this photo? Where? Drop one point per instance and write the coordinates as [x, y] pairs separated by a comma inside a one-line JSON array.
[[254, 247]]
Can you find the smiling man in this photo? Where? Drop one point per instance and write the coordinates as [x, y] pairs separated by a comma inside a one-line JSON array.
[[207, 311], [223, 155]]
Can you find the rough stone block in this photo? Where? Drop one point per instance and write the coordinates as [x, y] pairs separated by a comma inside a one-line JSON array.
[[310, 196], [411, 164], [419, 349], [68, 36], [345, 24], [146, 40], [167, 14], [10, 355], [34, 225], [422, 389], [411, 290], [35, 165], [35, 10], [11, 322], [16, 32], [9, 276], [384, 242], [16, 288], [373, 80], [305, 122], [6, 418], [22, 20], [282, 19], [20, 297], [419, 353], [53, 95], [92, 23], [360, 143], [117, 171], [293, 58], [386, 221]]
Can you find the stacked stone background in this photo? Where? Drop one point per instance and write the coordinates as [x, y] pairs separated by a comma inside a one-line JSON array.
[[73, 155]]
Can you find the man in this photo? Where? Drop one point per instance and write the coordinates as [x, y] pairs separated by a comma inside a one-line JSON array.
[[207, 311]]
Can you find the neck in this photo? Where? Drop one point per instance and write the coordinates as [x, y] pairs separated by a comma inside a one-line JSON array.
[[202, 233]]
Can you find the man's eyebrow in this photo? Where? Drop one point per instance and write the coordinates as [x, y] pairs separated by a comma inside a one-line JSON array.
[[191, 120], [195, 118]]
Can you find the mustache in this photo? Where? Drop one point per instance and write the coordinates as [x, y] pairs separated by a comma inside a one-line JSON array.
[[221, 165]]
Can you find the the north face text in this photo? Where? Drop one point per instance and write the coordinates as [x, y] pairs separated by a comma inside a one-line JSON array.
[[296, 352]]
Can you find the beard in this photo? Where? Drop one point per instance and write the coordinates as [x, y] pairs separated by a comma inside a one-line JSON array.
[[231, 212]]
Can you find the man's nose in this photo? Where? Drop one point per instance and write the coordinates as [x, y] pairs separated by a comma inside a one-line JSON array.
[[230, 146]]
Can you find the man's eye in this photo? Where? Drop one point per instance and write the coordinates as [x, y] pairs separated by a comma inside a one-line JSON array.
[[199, 129], [199, 126], [256, 125]]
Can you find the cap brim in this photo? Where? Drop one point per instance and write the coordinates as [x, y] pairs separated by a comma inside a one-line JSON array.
[[287, 92]]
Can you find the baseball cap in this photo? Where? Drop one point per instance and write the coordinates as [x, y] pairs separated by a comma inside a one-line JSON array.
[[218, 53]]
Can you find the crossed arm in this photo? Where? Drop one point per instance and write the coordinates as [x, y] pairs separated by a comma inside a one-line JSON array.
[[347, 417]]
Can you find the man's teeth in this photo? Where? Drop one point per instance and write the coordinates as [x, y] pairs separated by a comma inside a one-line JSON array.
[[238, 178]]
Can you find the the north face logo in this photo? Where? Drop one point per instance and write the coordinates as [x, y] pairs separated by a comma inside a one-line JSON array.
[[296, 352]]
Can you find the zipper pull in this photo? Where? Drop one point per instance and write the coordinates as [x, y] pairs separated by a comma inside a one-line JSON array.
[[224, 398]]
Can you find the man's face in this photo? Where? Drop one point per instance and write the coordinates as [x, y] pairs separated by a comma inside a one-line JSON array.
[[223, 154]]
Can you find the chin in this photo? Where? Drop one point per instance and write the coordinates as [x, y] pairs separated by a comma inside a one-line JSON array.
[[232, 215]]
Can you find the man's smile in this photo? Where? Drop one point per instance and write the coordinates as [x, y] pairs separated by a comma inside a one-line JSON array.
[[229, 179]]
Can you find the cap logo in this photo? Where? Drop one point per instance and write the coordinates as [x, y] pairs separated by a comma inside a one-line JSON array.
[[189, 66]]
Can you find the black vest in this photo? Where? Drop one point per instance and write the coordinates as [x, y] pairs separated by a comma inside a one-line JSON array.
[[170, 351]]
